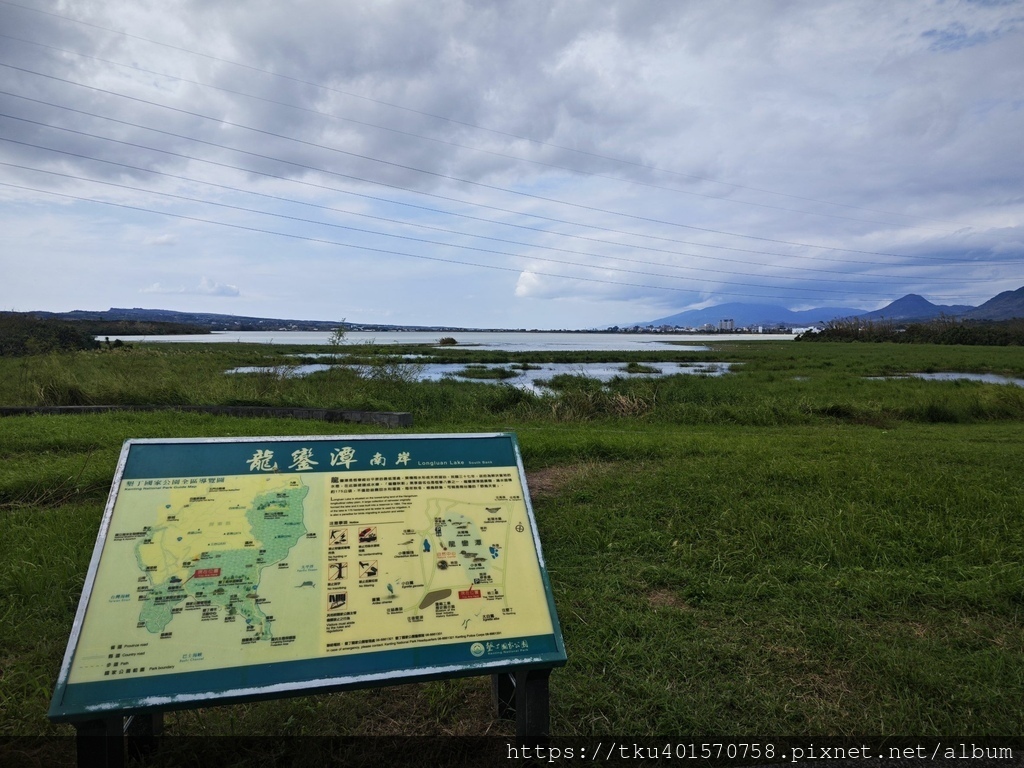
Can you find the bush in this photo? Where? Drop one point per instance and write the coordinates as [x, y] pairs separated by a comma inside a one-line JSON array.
[[938, 331], [22, 335]]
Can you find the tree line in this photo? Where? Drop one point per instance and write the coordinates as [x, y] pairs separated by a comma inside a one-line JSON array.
[[25, 334], [939, 331]]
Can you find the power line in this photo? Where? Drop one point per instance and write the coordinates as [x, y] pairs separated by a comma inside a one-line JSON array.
[[592, 209], [466, 124], [347, 176], [378, 233], [933, 259], [447, 142], [370, 249], [419, 225]]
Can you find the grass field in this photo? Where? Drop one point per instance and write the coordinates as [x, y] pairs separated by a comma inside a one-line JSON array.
[[796, 548]]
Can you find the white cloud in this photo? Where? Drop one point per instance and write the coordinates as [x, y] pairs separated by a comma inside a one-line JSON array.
[[208, 287], [662, 140], [528, 285]]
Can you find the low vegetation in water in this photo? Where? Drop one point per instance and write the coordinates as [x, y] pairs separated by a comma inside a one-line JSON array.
[[635, 367], [792, 548], [483, 372]]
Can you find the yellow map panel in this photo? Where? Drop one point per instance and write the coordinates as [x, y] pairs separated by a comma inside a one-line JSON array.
[[207, 573]]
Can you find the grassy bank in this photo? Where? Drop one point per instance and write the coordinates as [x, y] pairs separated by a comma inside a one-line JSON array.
[[792, 549], [774, 383]]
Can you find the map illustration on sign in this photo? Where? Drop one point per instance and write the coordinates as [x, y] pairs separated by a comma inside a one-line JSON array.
[[308, 562], [213, 550]]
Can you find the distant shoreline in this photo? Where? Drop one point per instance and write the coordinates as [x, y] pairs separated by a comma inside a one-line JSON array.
[[499, 340]]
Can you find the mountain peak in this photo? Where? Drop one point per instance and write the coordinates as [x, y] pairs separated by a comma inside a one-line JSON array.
[[912, 307], [1004, 306]]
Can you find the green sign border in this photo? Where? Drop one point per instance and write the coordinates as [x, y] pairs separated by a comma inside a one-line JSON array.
[[156, 458]]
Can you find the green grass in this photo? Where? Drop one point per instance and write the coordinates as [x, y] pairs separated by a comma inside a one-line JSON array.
[[792, 549], [774, 383]]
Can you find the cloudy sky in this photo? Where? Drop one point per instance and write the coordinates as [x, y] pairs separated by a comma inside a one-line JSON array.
[[568, 163]]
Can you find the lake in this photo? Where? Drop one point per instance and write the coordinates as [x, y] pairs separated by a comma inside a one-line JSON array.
[[508, 341]]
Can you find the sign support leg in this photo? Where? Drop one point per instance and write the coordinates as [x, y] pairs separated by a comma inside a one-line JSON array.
[[142, 731], [533, 718], [100, 743], [503, 694]]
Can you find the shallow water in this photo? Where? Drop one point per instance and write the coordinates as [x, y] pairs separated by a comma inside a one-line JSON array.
[[601, 371], [528, 379], [987, 378]]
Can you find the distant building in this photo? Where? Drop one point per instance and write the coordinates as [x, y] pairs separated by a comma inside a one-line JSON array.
[[727, 324]]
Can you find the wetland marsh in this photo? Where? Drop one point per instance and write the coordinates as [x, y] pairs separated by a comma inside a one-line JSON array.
[[795, 547]]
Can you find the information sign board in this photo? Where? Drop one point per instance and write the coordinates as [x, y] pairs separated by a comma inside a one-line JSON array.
[[243, 568]]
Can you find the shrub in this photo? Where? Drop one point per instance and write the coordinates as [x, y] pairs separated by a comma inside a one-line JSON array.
[[22, 334]]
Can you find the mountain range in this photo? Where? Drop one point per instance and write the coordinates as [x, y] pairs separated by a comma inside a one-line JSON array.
[[210, 321], [1004, 306]]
